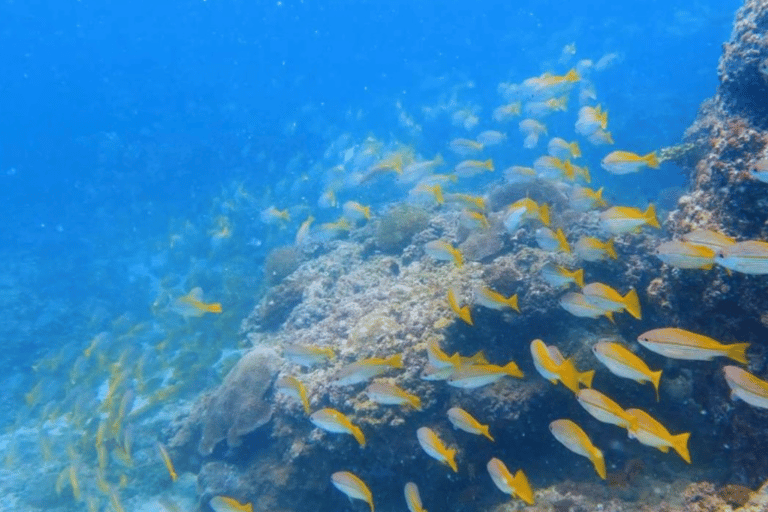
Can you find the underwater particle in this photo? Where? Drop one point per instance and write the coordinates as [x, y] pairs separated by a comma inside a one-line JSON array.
[[652, 433], [434, 447], [336, 422], [227, 504], [746, 386], [575, 439], [280, 263], [621, 362], [516, 485], [412, 498], [351, 485], [395, 229], [237, 407], [462, 420], [681, 344]]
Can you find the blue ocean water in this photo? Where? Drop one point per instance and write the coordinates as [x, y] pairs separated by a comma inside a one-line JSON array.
[[126, 126]]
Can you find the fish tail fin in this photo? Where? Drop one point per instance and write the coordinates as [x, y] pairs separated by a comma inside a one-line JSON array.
[[478, 358], [586, 378], [652, 160], [359, 437], [487, 433], [568, 170], [466, 315], [437, 191], [414, 402], [562, 241], [680, 445], [572, 75], [609, 316], [655, 380], [367, 212], [488, 164], [522, 488], [650, 216], [396, 361], [585, 174], [599, 201], [544, 214], [213, 308], [599, 462], [610, 249], [632, 304], [513, 370], [569, 376], [738, 352], [578, 277], [512, 302], [458, 258], [450, 459], [575, 149], [603, 117]]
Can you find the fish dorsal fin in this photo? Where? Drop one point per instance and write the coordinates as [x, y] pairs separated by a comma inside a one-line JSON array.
[[195, 294]]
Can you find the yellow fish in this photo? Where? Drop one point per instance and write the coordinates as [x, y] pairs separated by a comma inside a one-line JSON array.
[[473, 220], [591, 249], [335, 422], [560, 148], [551, 168], [443, 251], [476, 203], [532, 210], [507, 112], [576, 440], [548, 85], [681, 344], [307, 355], [494, 300], [389, 394], [465, 147], [552, 366], [708, 238], [604, 409], [624, 162], [167, 461], [227, 504], [685, 255], [192, 304], [605, 297], [478, 375], [303, 231], [590, 120], [583, 199], [749, 257], [293, 387], [579, 305], [272, 215], [516, 485], [463, 311], [351, 485], [423, 191], [623, 219], [621, 362], [366, 369], [746, 386], [552, 241], [652, 433], [356, 211], [435, 448], [558, 276], [412, 498], [462, 420], [469, 168]]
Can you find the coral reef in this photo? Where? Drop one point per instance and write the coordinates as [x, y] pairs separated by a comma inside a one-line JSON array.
[[280, 263], [396, 227]]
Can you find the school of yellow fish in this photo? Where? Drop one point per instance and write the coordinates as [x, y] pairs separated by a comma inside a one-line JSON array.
[[130, 382]]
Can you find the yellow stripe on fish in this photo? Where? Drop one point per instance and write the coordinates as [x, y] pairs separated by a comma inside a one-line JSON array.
[[746, 386], [462, 420], [443, 251], [576, 440], [335, 422], [652, 433], [592, 249], [625, 162], [412, 498], [227, 504], [516, 485], [605, 297], [435, 448], [494, 300], [623, 219], [462, 312], [293, 387], [681, 344], [351, 485], [623, 363], [558, 276], [552, 366], [475, 376]]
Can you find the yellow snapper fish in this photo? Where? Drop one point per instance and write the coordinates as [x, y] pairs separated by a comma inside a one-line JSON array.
[[531, 129], [335, 422], [600, 137], [303, 231], [294, 388], [476, 203], [685, 255], [621, 362], [576, 440], [478, 375], [549, 85], [652, 433], [351, 485], [227, 504], [465, 147], [418, 170], [590, 120], [746, 386], [592, 249], [439, 359], [583, 199], [579, 305], [516, 485], [435, 448], [469, 168], [531, 210], [541, 109], [562, 149], [167, 461], [331, 230], [366, 369], [473, 221], [462, 312], [443, 251], [328, 199], [681, 344], [551, 365], [491, 138], [551, 168], [307, 355], [623, 219], [709, 239], [759, 170], [462, 420], [519, 174], [505, 113], [558, 276], [424, 192], [552, 241], [389, 394], [625, 162], [494, 300], [604, 409], [605, 297], [750, 257], [412, 498], [272, 215], [192, 305], [356, 211]]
